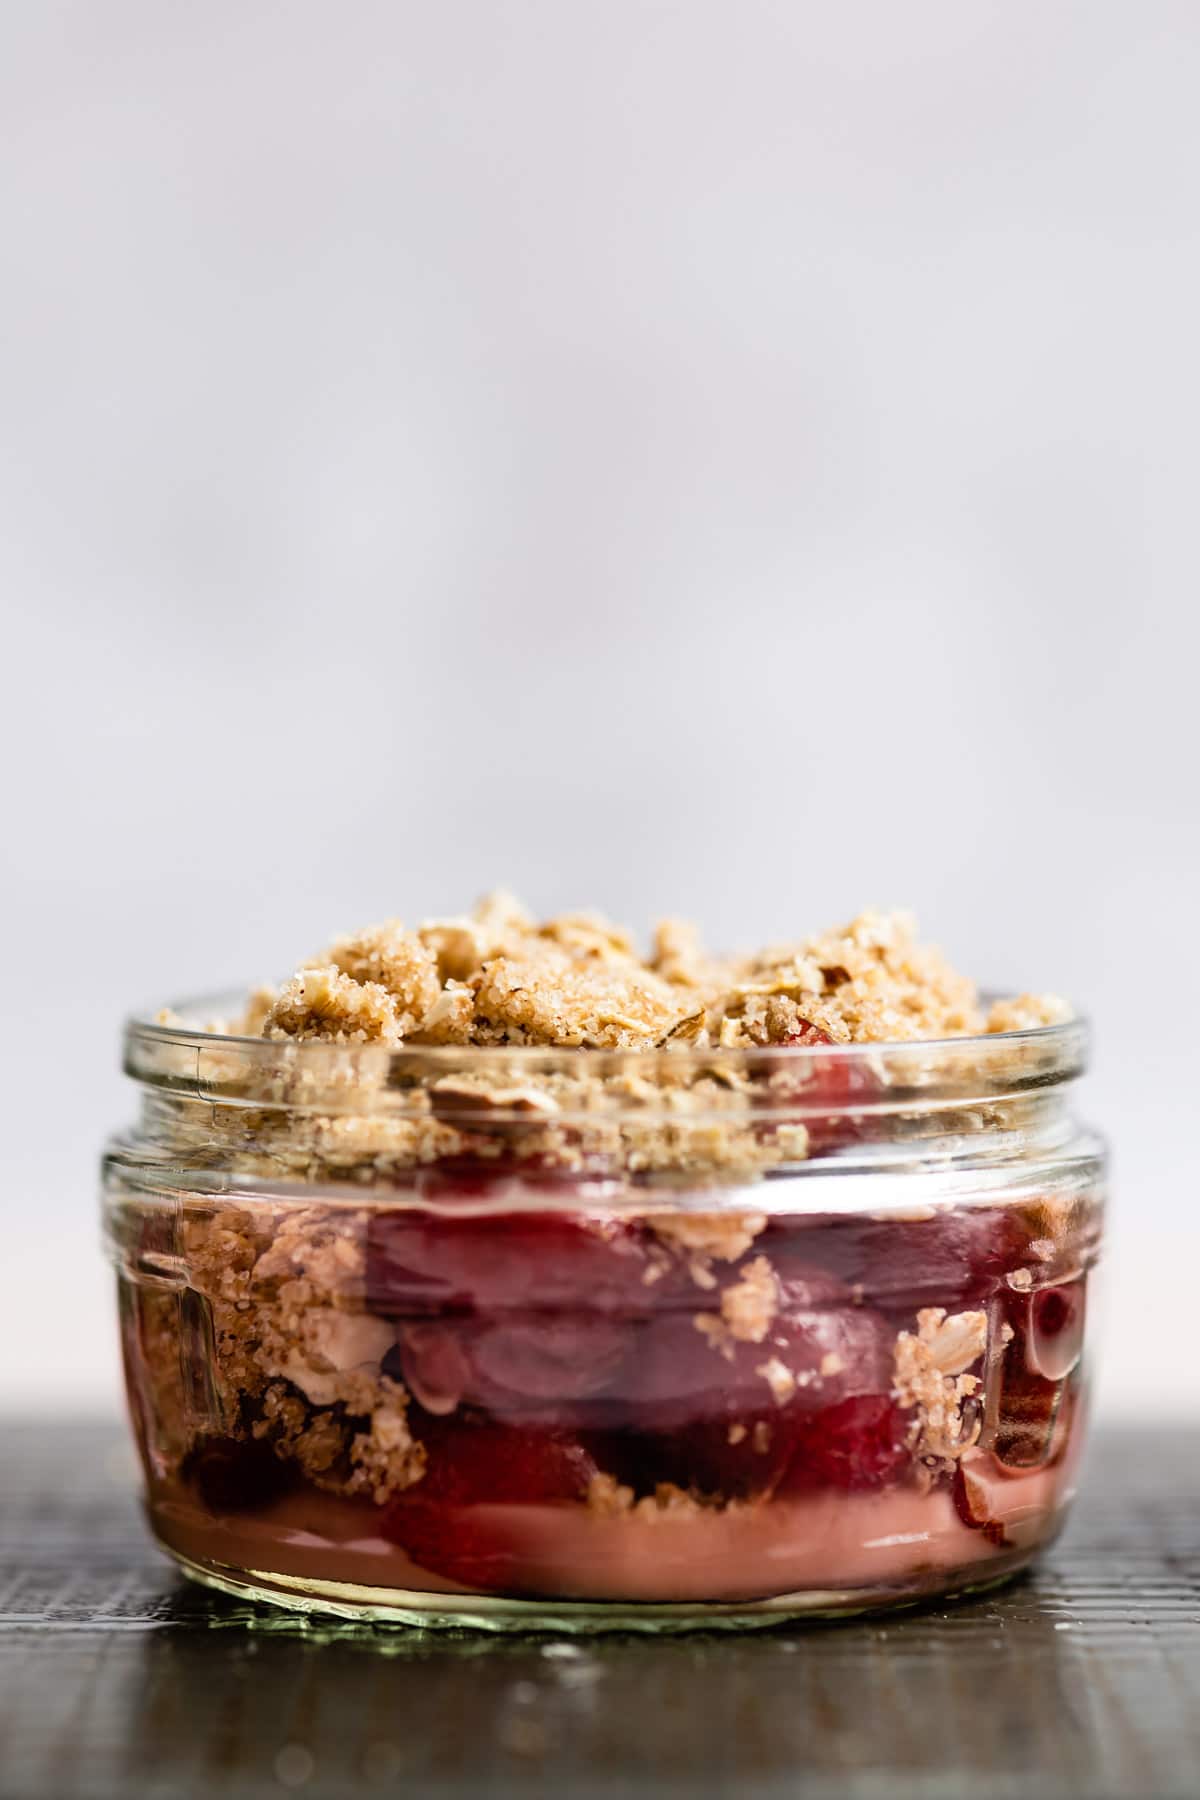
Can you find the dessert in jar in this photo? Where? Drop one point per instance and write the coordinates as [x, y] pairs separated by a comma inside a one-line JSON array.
[[494, 1273]]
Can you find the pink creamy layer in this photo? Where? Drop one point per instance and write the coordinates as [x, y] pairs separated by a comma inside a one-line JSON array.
[[822, 1541]]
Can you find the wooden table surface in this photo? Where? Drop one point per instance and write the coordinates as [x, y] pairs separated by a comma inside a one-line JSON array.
[[118, 1678]]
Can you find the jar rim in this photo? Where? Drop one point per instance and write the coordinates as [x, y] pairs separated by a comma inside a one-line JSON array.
[[1036, 1056]]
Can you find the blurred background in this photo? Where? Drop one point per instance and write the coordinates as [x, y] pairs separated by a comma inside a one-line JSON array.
[[665, 455]]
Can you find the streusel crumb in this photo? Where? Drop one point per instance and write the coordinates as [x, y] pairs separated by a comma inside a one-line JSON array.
[[749, 1305], [1027, 1012], [325, 1003], [497, 976], [295, 1357], [931, 1367], [868, 982], [397, 961]]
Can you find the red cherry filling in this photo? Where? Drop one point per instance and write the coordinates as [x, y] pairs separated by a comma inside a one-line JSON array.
[[858, 1443], [684, 1370], [421, 1262], [548, 1366], [723, 1415], [445, 1522], [954, 1259]]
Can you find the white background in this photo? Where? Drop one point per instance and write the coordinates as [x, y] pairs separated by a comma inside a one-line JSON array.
[[726, 458]]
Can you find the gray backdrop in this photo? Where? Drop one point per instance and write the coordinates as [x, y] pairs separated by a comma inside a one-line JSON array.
[[724, 458]]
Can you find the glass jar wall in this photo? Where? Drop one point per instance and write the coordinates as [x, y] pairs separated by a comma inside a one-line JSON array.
[[587, 1338]]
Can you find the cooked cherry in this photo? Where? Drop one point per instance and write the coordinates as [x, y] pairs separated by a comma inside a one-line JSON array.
[[733, 1459], [471, 1459], [953, 1259], [810, 1355], [858, 1443], [426, 1262], [236, 1474], [547, 1366], [474, 1465]]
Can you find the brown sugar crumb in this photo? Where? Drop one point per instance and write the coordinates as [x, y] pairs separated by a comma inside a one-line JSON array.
[[396, 960], [779, 1378], [451, 1018], [463, 944], [573, 1002], [1027, 1012], [931, 1375], [610, 1499], [722, 1237], [324, 1003], [497, 976], [590, 936], [296, 1359], [671, 1502], [868, 982], [679, 957], [750, 1304]]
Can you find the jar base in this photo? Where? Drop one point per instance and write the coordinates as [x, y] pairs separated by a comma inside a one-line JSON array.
[[349, 1601]]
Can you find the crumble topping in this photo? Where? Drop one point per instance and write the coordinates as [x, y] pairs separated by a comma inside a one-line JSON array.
[[278, 1294], [868, 982], [497, 976], [750, 1304], [721, 1237], [779, 1379], [396, 960], [612, 1500], [563, 999], [322, 1002], [748, 1307], [1027, 1012], [931, 1375], [497, 979]]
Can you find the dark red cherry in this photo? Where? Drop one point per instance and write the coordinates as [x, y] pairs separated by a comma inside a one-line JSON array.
[[953, 1258], [236, 1474], [433, 1262], [817, 1349], [736, 1459], [444, 1522], [472, 1459], [858, 1443], [549, 1366]]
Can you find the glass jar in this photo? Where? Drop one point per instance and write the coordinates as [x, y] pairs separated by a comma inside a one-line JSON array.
[[579, 1338]]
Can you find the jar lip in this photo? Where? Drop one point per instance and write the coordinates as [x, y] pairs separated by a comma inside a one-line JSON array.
[[1050, 1053]]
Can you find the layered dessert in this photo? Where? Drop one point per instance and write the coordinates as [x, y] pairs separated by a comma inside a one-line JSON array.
[[493, 1269]]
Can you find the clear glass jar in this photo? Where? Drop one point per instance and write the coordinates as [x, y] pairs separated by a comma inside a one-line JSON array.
[[584, 1338]]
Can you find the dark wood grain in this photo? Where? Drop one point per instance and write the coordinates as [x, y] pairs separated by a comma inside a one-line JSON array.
[[116, 1678]]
